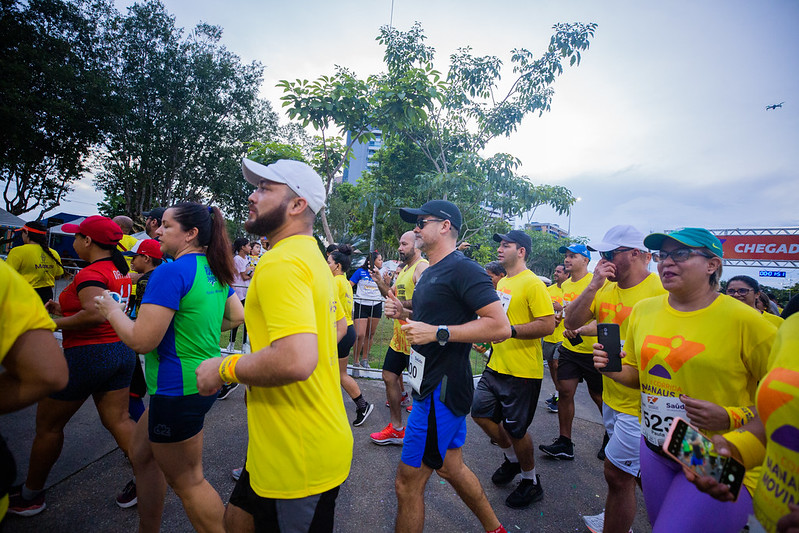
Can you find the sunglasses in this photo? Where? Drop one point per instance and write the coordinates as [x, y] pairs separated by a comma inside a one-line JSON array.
[[608, 256], [742, 292], [421, 222], [680, 255]]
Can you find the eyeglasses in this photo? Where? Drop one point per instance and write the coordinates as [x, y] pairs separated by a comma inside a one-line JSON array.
[[680, 255], [742, 292], [608, 256], [422, 221]]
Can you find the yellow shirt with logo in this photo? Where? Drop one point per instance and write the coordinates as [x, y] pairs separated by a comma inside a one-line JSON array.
[[21, 310], [778, 407], [404, 286], [344, 296], [717, 354], [33, 264], [556, 294], [614, 304], [529, 300], [300, 439], [571, 290]]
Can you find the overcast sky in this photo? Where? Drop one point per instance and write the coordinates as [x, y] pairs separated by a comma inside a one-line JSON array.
[[662, 125]]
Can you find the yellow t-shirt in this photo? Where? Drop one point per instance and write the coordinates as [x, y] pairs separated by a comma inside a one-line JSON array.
[[717, 354], [778, 407], [21, 309], [571, 290], [556, 294], [344, 296], [33, 263], [404, 287], [612, 304], [772, 319], [300, 439], [529, 300]]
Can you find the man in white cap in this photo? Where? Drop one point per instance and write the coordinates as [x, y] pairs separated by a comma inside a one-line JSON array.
[[625, 266], [300, 444]]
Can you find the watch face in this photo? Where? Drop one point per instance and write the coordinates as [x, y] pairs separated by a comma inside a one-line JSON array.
[[442, 335]]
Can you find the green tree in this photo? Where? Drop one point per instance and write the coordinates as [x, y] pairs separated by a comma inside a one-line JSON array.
[[53, 98]]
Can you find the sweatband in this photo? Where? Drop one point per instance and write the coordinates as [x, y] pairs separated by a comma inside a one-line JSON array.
[[227, 370], [739, 416], [752, 451]]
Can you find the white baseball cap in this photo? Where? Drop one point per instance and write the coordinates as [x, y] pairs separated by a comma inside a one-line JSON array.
[[622, 236], [298, 176]]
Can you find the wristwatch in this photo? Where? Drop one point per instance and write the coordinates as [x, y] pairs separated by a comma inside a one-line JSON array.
[[442, 335], [513, 332]]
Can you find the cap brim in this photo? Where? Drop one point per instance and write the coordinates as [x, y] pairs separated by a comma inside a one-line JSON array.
[[655, 240], [498, 237], [255, 172], [563, 249], [601, 246], [70, 228], [410, 215]]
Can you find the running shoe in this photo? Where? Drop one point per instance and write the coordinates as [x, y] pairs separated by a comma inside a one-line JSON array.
[[226, 390], [245, 348], [230, 347], [127, 498], [388, 435], [601, 453], [365, 364], [236, 473], [408, 408], [21, 507], [362, 414], [595, 523], [526, 492], [552, 404], [506, 472], [406, 399], [561, 448]]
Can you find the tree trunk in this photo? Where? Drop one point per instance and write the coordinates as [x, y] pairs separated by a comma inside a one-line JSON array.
[[326, 227], [374, 225]]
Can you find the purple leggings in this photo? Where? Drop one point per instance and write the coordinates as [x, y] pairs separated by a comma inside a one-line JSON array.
[[674, 504]]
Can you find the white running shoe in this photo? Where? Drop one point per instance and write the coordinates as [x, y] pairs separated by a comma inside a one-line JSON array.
[[595, 523]]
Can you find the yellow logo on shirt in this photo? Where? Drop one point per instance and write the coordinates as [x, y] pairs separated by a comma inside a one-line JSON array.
[[617, 313], [674, 351], [779, 387]]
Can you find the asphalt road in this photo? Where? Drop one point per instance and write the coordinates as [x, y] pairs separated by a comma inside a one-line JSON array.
[[91, 470]]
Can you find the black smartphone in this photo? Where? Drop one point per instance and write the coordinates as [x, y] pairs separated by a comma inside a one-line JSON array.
[[576, 340], [608, 336], [688, 446]]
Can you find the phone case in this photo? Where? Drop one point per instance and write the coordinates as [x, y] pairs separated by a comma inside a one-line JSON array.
[[694, 453], [608, 335], [576, 340]]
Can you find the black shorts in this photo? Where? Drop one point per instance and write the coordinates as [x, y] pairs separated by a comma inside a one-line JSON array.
[[395, 362], [314, 514], [45, 293], [96, 368], [574, 365], [345, 344], [177, 418], [367, 311], [507, 399]]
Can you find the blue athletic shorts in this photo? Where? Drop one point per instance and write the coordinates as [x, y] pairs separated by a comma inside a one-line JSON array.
[[177, 418], [96, 368], [432, 429]]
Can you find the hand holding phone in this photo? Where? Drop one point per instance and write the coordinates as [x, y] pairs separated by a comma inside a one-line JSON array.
[[689, 447], [609, 337]]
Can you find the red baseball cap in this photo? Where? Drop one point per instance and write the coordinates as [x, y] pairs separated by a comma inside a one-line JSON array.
[[101, 229], [148, 247]]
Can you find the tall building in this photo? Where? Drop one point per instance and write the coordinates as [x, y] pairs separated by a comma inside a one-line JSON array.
[[362, 157], [546, 227]]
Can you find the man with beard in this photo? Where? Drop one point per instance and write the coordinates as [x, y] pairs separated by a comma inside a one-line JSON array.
[[399, 348], [300, 443], [624, 264], [450, 296], [507, 394]]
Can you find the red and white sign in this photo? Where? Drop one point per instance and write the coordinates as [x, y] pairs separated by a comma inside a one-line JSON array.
[[763, 247]]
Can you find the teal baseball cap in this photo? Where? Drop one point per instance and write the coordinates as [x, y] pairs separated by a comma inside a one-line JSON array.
[[692, 237]]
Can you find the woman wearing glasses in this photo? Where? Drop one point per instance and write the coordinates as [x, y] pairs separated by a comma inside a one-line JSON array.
[[747, 290], [694, 354]]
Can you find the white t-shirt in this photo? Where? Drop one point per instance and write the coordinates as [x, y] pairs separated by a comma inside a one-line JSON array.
[[241, 264]]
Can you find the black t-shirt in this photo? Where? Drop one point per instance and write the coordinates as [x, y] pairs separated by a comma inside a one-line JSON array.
[[448, 294]]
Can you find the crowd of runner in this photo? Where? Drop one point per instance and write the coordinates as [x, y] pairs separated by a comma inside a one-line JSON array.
[[726, 363]]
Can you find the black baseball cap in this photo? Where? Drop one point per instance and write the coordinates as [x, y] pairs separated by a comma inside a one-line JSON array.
[[156, 213], [517, 237], [438, 208]]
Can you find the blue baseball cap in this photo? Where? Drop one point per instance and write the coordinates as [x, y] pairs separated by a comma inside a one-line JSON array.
[[579, 249]]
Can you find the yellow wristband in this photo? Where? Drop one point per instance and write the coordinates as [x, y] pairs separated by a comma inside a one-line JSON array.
[[227, 370], [739, 416], [752, 451]]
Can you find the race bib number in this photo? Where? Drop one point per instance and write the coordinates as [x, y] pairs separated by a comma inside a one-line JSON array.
[[657, 413], [416, 370], [504, 299]]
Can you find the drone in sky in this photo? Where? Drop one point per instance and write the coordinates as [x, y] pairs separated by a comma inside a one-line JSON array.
[[774, 106]]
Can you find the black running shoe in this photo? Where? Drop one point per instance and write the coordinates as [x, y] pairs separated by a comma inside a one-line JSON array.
[[526, 492], [561, 448], [362, 414], [226, 390], [506, 472]]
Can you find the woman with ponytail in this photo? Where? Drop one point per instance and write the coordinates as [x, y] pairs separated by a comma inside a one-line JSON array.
[[187, 304], [39, 264], [100, 365]]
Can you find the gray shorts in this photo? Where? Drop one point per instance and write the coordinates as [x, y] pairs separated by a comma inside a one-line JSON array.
[[550, 350]]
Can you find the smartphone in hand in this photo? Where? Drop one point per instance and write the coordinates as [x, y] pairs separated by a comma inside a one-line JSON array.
[[608, 336], [689, 447], [576, 340]]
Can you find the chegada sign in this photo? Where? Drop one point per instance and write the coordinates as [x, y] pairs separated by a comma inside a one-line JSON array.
[[762, 247]]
